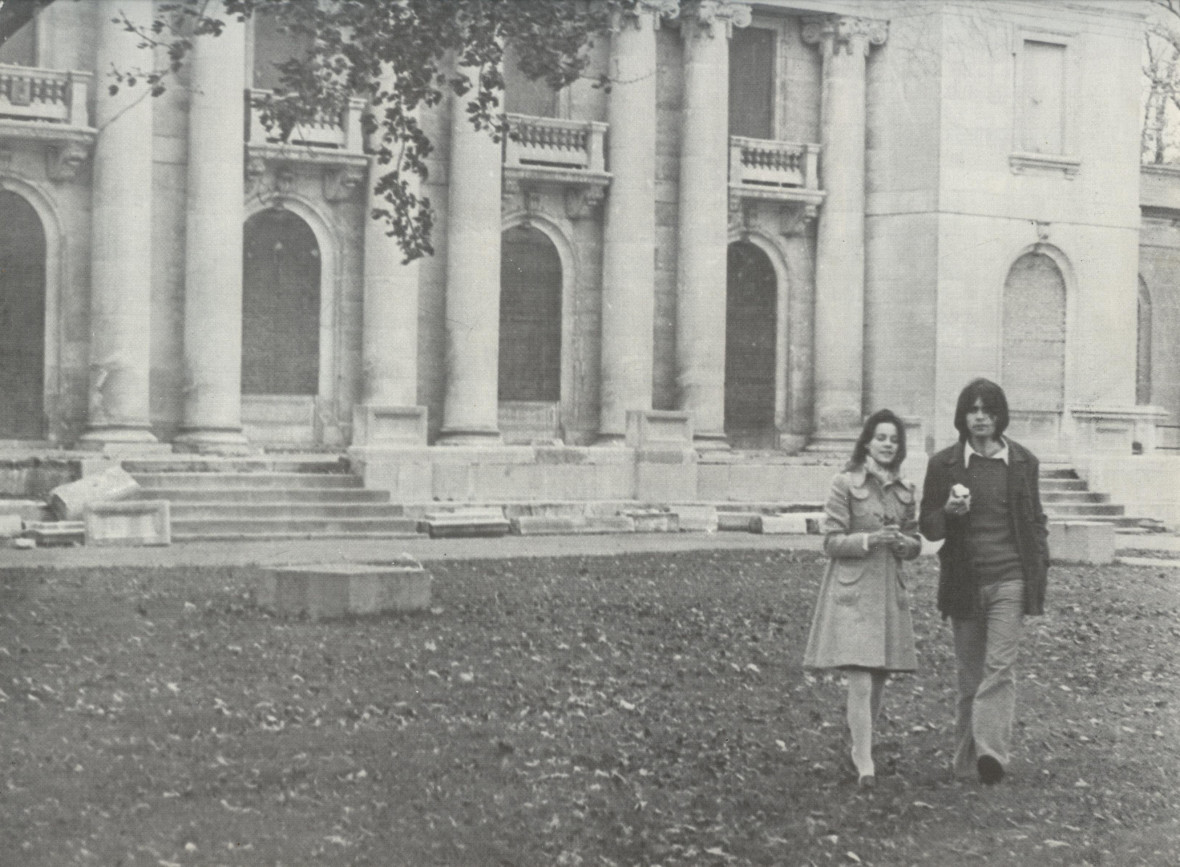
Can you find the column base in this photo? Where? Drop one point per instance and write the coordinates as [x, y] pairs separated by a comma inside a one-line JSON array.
[[213, 441], [469, 437], [832, 443], [117, 438], [611, 440]]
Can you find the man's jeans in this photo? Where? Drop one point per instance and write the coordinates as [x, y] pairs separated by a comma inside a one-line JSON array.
[[986, 649]]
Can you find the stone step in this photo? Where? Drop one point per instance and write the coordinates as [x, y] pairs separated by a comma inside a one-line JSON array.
[[247, 480], [1069, 497], [248, 464], [265, 495], [1053, 485], [1084, 509], [188, 510], [259, 528]]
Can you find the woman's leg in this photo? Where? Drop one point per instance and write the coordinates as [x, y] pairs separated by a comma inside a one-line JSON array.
[[879, 678], [860, 720]]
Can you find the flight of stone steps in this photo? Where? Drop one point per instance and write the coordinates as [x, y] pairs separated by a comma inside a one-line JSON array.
[[274, 497], [1066, 497]]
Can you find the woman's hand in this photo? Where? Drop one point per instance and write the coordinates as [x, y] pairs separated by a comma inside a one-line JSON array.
[[886, 537]]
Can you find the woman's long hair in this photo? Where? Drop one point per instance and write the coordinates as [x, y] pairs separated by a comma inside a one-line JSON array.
[[861, 450]]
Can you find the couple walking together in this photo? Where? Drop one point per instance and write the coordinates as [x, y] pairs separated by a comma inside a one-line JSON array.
[[981, 497]]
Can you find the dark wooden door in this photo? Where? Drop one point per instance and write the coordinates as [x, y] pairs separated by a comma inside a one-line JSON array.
[[22, 319]]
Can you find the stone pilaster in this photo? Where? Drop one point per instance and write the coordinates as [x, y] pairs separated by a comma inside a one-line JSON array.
[[628, 259], [213, 244], [706, 26], [840, 254], [471, 400], [121, 242]]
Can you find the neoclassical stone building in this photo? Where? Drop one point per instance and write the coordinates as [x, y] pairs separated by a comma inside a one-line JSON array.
[[780, 216]]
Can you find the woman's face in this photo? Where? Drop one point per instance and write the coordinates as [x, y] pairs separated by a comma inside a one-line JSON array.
[[883, 446]]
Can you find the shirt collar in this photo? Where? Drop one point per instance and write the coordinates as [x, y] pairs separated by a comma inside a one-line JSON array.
[[1001, 455]]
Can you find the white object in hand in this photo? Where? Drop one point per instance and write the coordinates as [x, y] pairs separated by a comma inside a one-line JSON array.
[[960, 491]]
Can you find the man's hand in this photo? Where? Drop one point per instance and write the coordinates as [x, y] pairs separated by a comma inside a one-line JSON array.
[[959, 501]]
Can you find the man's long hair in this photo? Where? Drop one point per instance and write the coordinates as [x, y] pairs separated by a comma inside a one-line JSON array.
[[995, 403]]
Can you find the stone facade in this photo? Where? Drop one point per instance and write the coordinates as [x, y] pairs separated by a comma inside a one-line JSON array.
[[909, 194]]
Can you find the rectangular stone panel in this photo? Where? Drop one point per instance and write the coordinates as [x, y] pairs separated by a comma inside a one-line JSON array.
[[130, 522]]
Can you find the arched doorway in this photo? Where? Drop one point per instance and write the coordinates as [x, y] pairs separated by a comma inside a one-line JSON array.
[[1033, 373], [280, 327], [750, 327], [22, 319], [530, 336]]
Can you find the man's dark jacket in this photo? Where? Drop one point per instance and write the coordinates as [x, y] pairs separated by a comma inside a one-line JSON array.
[[958, 591]]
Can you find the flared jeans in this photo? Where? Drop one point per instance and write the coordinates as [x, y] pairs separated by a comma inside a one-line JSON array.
[[986, 648]]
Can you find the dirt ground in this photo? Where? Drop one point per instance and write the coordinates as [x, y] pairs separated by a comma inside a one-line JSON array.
[[642, 709]]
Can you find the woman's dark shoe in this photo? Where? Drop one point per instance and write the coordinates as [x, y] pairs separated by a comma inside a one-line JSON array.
[[868, 781], [990, 770]]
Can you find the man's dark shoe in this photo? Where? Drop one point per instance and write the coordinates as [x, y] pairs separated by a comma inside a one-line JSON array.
[[990, 770]]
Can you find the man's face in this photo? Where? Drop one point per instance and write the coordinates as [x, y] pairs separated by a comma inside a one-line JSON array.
[[980, 422]]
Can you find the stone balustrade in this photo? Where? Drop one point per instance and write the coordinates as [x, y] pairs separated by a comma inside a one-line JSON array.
[[328, 131], [44, 95], [553, 143], [761, 163]]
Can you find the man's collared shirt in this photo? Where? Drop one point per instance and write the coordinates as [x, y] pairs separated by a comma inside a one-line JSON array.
[[1001, 455]]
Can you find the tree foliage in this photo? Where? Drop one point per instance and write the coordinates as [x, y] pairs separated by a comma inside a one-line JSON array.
[[1161, 71], [402, 56]]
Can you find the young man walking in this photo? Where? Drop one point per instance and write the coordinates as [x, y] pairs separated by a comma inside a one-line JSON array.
[[982, 497]]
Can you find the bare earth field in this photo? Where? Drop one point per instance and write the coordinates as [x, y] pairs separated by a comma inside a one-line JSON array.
[[626, 710]]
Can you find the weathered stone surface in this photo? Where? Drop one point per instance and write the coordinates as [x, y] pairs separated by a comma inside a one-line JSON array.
[[799, 523], [131, 522], [10, 525], [1082, 541], [465, 522], [50, 533], [338, 589], [696, 518], [69, 501], [741, 522], [654, 521]]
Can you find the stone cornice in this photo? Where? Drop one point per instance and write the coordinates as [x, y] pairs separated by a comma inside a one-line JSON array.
[[708, 17], [845, 32]]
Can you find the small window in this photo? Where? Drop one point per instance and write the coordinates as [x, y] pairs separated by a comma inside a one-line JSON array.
[[20, 49], [524, 95]]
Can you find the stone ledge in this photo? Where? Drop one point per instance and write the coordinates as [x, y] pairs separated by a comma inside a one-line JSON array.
[[129, 522], [1082, 542], [338, 589]]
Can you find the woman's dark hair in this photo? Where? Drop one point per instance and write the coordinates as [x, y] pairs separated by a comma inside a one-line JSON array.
[[994, 404], [861, 449]]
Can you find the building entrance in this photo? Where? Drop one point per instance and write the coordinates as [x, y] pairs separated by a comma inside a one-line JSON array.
[[22, 320], [750, 327]]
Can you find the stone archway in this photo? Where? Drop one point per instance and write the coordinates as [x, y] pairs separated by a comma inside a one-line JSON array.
[[22, 319], [1034, 340], [751, 319]]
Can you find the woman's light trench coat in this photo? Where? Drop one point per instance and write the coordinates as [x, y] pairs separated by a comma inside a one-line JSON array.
[[862, 614]]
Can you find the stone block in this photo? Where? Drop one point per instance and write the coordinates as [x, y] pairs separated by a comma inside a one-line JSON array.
[[790, 523], [10, 525], [654, 521], [48, 534], [130, 522], [69, 501], [548, 525], [338, 589], [739, 522], [1082, 541], [376, 425], [465, 522], [658, 429], [696, 518]]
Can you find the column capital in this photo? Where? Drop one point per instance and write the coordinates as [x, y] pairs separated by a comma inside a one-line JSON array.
[[632, 16], [845, 33], [708, 17]]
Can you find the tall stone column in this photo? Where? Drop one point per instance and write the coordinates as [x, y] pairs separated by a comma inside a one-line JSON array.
[[840, 238], [389, 337], [629, 232], [471, 403], [706, 26], [213, 244], [121, 242]]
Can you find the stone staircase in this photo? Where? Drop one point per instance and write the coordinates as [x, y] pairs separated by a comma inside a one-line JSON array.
[[1066, 497], [272, 497]]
